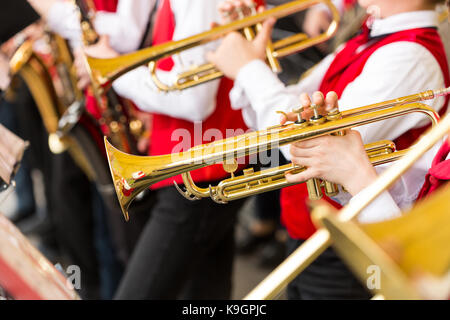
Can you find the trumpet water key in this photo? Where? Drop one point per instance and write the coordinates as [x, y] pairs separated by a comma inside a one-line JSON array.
[[132, 174]]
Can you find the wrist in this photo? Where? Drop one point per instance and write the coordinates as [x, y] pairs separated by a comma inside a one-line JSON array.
[[361, 181]]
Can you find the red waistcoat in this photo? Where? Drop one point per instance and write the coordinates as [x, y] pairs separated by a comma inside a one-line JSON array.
[[223, 117], [347, 66], [106, 5]]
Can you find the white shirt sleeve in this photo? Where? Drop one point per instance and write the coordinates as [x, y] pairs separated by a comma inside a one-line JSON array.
[[193, 104], [127, 25], [63, 18]]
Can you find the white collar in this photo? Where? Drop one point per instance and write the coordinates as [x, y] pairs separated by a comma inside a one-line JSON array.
[[404, 21]]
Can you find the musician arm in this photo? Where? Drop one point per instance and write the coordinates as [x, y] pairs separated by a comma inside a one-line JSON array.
[[193, 104]]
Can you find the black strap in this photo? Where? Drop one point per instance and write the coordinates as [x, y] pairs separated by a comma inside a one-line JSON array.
[[147, 37]]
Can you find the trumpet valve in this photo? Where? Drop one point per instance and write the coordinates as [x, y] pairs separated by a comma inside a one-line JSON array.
[[299, 111], [314, 189], [317, 118], [300, 121], [331, 189]]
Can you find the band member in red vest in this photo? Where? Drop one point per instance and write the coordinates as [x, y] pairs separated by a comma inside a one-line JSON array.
[[345, 156], [122, 24], [195, 236], [397, 52]]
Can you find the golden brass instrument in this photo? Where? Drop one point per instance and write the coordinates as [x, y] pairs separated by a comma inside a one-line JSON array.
[[276, 281], [105, 71], [32, 69], [132, 174]]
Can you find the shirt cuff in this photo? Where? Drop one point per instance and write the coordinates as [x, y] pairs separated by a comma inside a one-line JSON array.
[[382, 208]]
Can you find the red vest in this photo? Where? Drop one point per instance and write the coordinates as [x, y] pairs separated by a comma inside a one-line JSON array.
[[106, 5], [223, 117], [439, 173], [348, 65]]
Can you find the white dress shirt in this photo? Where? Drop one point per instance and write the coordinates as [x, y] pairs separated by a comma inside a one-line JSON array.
[[125, 27], [394, 70], [193, 104]]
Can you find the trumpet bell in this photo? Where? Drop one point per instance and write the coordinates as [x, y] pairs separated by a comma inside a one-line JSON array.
[[123, 165], [132, 174]]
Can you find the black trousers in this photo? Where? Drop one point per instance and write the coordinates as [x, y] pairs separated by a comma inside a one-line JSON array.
[[327, 278], [185, 251]]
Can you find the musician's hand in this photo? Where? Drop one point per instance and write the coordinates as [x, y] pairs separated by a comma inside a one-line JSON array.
[[102, 49], [339, 159], [325, 105], [231, 10], [235, 51], [4, 72], [317, 20], [82, 74]]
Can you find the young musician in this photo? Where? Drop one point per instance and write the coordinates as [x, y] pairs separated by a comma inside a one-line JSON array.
[[123, 24], [186, 249], [397, 53], [427, 175]]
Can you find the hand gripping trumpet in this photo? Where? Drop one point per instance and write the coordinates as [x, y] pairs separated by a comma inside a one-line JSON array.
[[105, 71], [132, 174]]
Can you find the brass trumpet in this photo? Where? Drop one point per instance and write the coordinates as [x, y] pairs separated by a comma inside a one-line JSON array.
[[105, 71], [132, 174]]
